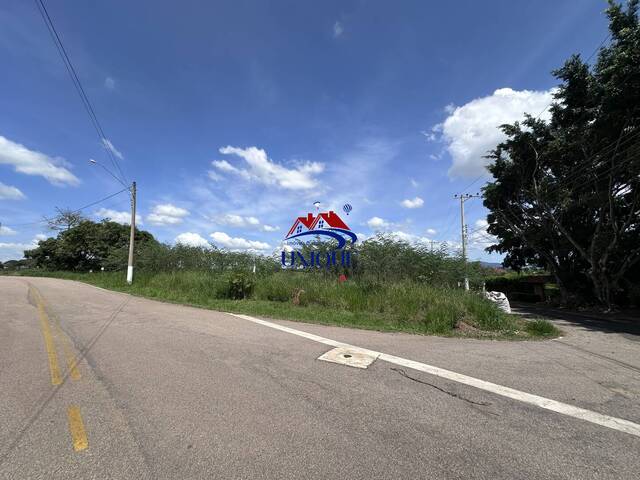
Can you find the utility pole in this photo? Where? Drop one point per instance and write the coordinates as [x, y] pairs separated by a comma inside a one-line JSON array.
[[132, 234], [463, 228]]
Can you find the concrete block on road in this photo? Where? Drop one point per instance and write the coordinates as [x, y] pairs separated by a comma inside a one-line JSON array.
[[352, 357]]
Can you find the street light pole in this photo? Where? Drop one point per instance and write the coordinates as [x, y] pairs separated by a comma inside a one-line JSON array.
[[132, 234]]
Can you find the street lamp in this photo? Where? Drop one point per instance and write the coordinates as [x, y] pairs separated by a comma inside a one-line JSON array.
[[132, 193], [94, 162]]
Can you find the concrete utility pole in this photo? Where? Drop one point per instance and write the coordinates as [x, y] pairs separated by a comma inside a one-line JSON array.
[[463, 228], [132, 193], [132, 235]]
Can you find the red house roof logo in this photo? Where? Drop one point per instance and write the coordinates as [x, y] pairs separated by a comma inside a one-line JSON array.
[[325, 223]]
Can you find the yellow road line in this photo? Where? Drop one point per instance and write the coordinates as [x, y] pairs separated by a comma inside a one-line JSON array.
[[76, 428], [56, 379], [72, 363]]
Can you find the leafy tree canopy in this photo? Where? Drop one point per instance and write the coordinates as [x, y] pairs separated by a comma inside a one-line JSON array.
[[88, 246], [565, 192]]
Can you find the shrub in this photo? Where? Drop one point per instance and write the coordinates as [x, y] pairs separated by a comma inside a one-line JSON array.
[[239, 286], [541, 328]]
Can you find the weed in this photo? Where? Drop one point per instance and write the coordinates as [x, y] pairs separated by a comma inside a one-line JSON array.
[[541, 328]]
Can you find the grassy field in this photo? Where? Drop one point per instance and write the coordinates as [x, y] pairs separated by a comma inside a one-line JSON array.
[[393, 306]]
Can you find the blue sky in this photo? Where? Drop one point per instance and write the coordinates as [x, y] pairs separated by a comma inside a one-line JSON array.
[[234, 117]]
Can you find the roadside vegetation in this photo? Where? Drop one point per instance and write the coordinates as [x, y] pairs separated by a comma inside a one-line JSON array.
[[390, 286]]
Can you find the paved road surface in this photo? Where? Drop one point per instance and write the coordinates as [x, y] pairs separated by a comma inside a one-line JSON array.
[[164, 391]]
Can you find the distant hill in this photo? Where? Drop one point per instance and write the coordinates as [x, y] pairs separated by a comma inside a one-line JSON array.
[[491, 264]]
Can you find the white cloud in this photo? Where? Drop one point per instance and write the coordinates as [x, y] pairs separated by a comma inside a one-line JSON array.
[[224, 166], [7, 230], [402, 236], [109, 83], [413, 182], [123, 217], [214, 176], [377, 223], [240, 221], [106, 143], [409, 238], [166, 214], [473, 129], [417, 202], [8, 192], [263, 170], [478, 237], [431, 136], [15, 251], [338, 29], [237, 243], [31, 162], [237, 221], [450, 108], [431, 231], [192, 239]]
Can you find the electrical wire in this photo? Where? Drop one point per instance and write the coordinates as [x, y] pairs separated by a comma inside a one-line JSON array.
[[597, 49], [607, 148], [474, 182], [78, 86], [545, 108], [614, 145], [77, 210]]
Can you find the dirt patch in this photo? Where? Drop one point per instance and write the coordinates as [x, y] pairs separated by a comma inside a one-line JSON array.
[[464, 327]]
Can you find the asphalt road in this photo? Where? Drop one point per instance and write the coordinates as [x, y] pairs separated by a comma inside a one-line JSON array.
[[165, 391]]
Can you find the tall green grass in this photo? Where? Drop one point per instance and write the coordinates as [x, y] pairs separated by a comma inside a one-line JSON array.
[[392, 306]]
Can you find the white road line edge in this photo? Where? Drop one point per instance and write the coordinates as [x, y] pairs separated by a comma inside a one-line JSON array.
[[542, 402]]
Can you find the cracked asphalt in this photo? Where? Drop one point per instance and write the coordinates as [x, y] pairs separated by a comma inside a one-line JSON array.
[[167, 391]]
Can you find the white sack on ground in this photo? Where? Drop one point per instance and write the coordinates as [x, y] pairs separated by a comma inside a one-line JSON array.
[[500, 299]]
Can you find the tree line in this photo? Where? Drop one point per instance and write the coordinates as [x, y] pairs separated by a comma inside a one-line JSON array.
[[82, 245]]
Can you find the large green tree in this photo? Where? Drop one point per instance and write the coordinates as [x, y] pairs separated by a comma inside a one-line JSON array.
[[88, 245], [566, 192]]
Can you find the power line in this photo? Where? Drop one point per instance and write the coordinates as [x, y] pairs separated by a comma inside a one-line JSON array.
[[589, 180], [78, 86], [477, 229], [614, 145], [77, 210], [449, 219], [597, 49], [576, 171], [610, 146], [601, 175], [605, 149], [474, 182], [101, 200], [545, 108]]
